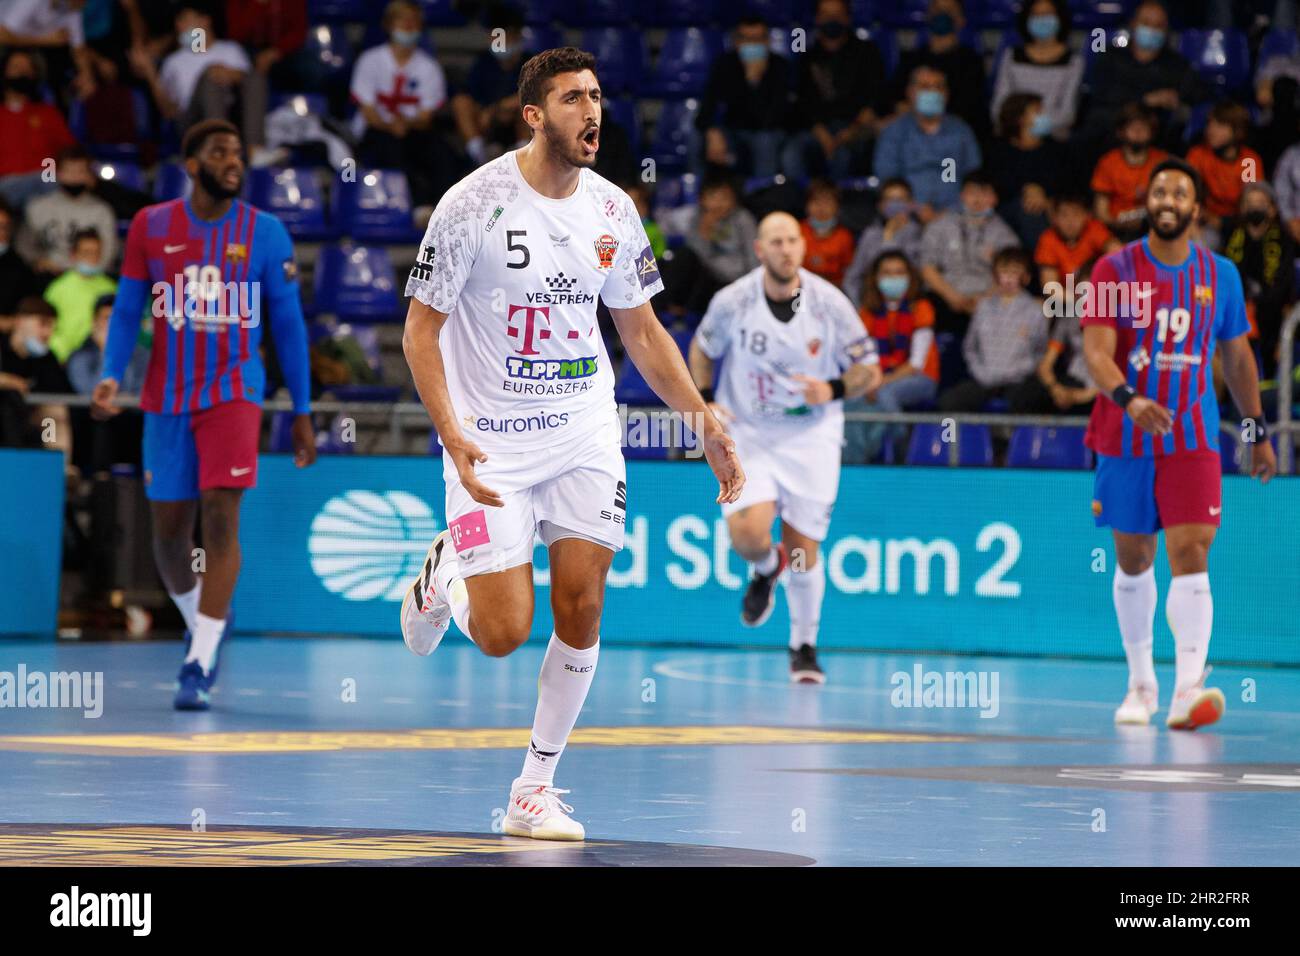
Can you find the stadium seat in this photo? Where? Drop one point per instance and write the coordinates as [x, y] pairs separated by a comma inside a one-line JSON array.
[[620, 56], [684, 61], [538, 37], [339, 11], [678, 191], [295, 196], [632, 388], [887, 42], [927, 447], [124, 173], [172, 182], [304, 103], [677, 13], [440, 13], [862, 12], [1041, 446], [1278, 43], [992, 14], [778, 13], [329, 45], [1222, 57], [332, 441], [674, 133], [903, 13], [1231, 454], [356, 284], [541, 12], [624, 112], [1088, 14], [376, 207], [110, 152], [1114, 38], [604, 13]]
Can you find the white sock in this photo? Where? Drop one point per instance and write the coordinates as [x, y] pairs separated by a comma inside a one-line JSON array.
[[1189, 608], [804, 590], [1135, 607], [205, 638], [561, 690], [448, 583], [768, 564], [188, 604]]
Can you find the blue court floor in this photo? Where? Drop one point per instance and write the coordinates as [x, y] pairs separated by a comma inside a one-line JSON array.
[[354, 751]]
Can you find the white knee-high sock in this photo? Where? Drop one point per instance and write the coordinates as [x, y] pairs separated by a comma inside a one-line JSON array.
[[451, 586], [188, 605], [205, 638], [769, 562], [805, 590], [562, 688], [1189, 608], [1135, 607]]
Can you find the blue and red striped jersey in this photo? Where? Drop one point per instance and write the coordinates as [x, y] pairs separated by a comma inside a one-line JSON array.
[[1168, 320], [208, 286]]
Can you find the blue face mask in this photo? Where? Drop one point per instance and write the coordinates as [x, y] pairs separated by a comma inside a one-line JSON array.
[[893, 287], [405, 37], [1044, 26], [86, 268], [35, 347], [894, 207], [752, 52], [977, 213], [1041, 126], [941, 24], [1149, 38], [930, 102], [821, 226], [186, 39]]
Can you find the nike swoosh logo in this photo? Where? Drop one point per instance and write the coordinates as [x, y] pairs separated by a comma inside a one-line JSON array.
[[170, 249], [237, 472]]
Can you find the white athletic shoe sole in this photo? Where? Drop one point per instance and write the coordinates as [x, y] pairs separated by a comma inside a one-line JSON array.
[[1137, 709], [423, 631]]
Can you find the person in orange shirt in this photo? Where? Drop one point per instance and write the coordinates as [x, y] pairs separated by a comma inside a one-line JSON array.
[[830, 245], [1073, 239], [901, 320], [1120, 178], [1225, 163]]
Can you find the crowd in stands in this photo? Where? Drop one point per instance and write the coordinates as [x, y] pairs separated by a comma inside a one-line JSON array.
[[942, 187]]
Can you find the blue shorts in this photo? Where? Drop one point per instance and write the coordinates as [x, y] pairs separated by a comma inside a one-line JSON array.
[[1143, 495], [212, 448]]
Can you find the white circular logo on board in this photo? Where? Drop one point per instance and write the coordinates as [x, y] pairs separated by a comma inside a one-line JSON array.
[[368, 546]]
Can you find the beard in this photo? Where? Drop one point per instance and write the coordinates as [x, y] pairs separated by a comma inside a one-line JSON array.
[[214, 188], [1180, 226], [776, 275], [566, 149]]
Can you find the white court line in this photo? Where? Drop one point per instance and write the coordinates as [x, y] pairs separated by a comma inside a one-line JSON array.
[[673, 668]]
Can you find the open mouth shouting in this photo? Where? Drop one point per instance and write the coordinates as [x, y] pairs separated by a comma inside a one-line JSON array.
[[590, 140]]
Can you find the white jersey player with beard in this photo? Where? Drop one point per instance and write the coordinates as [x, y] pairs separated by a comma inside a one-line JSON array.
[[506, 352], [791, 346]]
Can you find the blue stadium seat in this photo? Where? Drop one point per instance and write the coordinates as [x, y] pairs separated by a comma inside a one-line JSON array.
[[620, 56], [632, 388], [1040, 446], [331, 441], [992, 14], [329, 45], [1278, 43], [674, 132], [541, 11], [887, 42], [862, 12], [303, 103], [1087, 14], [109, 152], [677, 13], [376, 207], [1114, 38], [339, 11], [625, 114], [538, 37], [439, 13], [124, 173], [1231, 454], [778, 13], [172, 182], [435, 446], [356, 284], [927, 447], [684, 61], [604, 13], [1221, 56], [903, 13], [678, 191], [281, 438], [295, 196]]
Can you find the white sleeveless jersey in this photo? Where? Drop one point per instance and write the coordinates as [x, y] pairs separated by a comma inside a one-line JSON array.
[[518, 275], [760, 353]]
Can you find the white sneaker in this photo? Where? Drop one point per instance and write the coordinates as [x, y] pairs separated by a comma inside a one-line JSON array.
[[538, 812], [1196, 706], [1140, 705], [426, 615]]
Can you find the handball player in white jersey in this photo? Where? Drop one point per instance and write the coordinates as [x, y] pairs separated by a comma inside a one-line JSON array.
[[504, 346], [792, 347]]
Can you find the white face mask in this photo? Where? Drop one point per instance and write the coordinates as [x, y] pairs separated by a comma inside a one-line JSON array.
[[35, 347]]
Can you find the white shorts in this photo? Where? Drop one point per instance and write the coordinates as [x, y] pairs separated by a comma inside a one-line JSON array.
[[577, 489], [800, 471]]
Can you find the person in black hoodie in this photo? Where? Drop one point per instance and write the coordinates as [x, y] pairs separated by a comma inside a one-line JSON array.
[[964, 67]]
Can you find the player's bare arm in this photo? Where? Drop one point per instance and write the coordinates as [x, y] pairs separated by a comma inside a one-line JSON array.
[[1099, 351], [1242, 378], [655, 355], [858, 380], [701, 368], [420, 345]]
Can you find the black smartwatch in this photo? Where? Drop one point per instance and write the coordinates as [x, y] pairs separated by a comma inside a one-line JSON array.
[[1122, 395]]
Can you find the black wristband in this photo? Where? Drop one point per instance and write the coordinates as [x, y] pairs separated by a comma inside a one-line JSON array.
[[706, 393], [1122, 395], [1260, 432], [837, 388]]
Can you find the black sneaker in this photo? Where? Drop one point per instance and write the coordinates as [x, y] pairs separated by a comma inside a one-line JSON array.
[[803, 666], [760, 596]]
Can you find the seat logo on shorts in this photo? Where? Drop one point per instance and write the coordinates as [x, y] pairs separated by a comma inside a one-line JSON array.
[[469, 531]]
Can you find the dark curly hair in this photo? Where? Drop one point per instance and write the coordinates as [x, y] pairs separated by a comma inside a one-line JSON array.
[[534, 77]]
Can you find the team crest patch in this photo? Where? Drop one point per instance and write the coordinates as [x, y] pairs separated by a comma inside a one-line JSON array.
[[606, 249], [1203, 294], [236, 252], [469, 531], [814, 346]]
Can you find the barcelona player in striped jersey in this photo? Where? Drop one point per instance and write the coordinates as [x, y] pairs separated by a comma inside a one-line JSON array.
[[1157, 310], [209, 269]]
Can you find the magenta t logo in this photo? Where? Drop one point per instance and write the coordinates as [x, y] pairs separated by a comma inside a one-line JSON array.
[[530, 323]]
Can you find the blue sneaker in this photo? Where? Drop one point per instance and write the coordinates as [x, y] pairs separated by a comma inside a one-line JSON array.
[[191, 688]]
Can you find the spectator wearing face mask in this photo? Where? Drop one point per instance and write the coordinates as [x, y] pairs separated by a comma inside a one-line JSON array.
[[828, 245], [895, 229], [27, 365], [1224, 161], [53, 26], [1043, 65], [1026, 165], [746, 105], [929, 147], [1121, 177], [1264, 253], [957, 252], [486, 108], [17, 280], [74, 294], [31, 131], [962, 67], [54, 219]]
